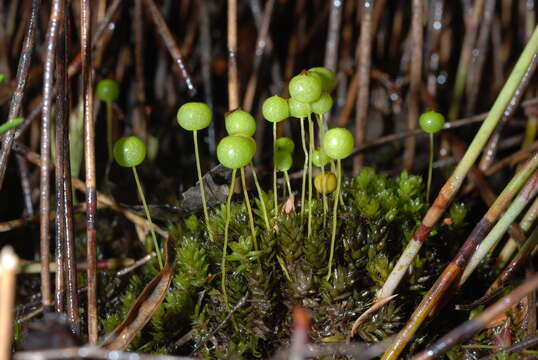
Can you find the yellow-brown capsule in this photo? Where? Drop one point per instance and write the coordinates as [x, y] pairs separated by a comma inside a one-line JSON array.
[[325, 183]]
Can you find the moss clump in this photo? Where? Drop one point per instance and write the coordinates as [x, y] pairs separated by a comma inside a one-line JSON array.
[[375, 222]]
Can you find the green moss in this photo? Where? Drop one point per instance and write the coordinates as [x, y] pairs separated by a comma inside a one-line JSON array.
[[374, 224]]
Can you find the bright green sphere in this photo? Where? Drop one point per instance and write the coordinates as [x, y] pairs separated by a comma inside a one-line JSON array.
[[108, 90], [431, 121], [283, 160], [275, 109], [305, 87], [338, 143], [328, 79], [129, 151], [319, 158], [240, 122], [299, 109], [194, 116], [285, 144], [236, 151], [323, 104]]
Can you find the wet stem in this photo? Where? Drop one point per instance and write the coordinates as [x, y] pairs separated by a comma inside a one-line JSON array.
[[109, 128], [225, 246], [305, 168], [430, 170], [335, 212], [201, 183], [148, 216]]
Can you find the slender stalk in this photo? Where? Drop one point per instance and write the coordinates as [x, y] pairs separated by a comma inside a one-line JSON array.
[[287, 178], [233, 77], [25, 60], [89, 161], [471, 327], [8, 277], [305, 168], [365, 62], [5, 127], [434, 297], [262, 202], [430, 166], [148, 216], [511, 245], [46, 113], [517, 263], [335, 214], [310, 151], [164, 32], [201, 183], [225, 246], [275, 194], [109, 129], [415, 76], [453, 184], [249, 209], [498, 231]]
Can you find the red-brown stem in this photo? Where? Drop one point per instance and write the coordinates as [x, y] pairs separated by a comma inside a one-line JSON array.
[[477, 63], [490, 150], [89, 163], [261, 45], [48, 75], [453, 271], [61, 105], [415, 75], [21, 80], [64, 211], [233, 80], [469, 328], [139, 120], [164, 31], [365, 52]]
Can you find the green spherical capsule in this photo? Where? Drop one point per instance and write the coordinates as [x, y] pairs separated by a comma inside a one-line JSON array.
[[338, 143], [129, 151], [328, 79], [108, 90], [305, 87], [299, 109], [431, 121], [275, 109], [323, 104], [283, 160], [285, 144], [194, 116], [319, 158], [236, 151], [240, 122]]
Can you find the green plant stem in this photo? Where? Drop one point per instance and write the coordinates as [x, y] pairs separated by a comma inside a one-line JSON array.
[[335, 213], [262, 202], [201, 183], [324, 196], [430, 165], [453, 184], [109, 128], [305, 168], [10, 125], [249, 209], [310, 151], [498, 231], [288, 184], [225, 246], [274, 170], [148, 216]]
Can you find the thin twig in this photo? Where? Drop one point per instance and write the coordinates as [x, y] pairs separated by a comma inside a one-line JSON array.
[[21, 80], [168, 39], [8, 277], [233, 76], [415, 75], [89, 163], [365, 49]]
